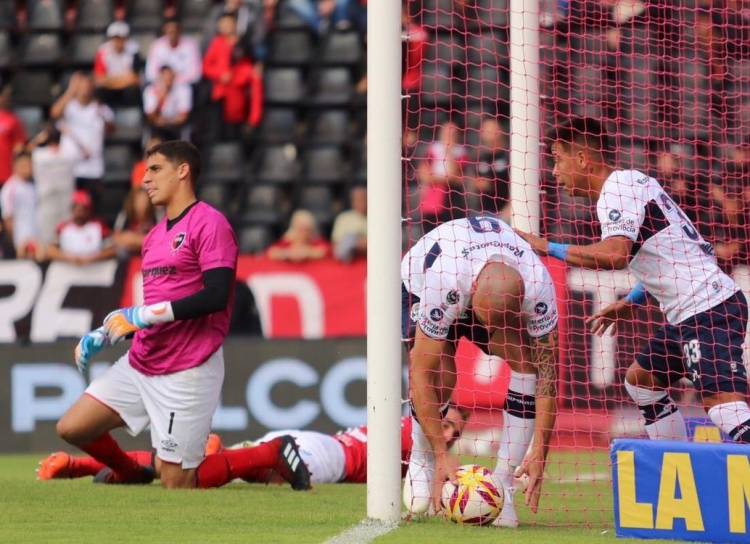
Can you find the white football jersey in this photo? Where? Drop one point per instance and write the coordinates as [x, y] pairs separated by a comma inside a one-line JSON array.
[[443, 265], [669, 256]]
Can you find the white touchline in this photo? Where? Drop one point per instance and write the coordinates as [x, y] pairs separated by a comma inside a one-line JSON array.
[[364, 532]]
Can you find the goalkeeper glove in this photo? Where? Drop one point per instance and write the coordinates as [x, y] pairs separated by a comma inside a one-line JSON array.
[[89, 345], [123, 322]]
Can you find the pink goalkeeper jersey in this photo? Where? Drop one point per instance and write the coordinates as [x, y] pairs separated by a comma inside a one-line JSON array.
[[173, 264]]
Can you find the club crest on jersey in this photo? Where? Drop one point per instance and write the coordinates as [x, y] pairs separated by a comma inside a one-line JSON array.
[[436, 314], [614, 215], [178, 240], [452, 297], [540, 308]]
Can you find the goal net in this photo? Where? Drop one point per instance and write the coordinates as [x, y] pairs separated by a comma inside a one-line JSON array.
[[669, 81]]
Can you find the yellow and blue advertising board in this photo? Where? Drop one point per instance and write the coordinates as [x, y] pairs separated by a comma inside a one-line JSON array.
[[681, 490]]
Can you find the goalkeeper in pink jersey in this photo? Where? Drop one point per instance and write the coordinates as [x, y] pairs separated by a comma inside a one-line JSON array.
[[171, 378]]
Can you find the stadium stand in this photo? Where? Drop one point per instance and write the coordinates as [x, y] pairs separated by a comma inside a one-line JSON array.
[[311, 133]]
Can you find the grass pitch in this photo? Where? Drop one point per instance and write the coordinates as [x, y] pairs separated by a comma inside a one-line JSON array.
[[577, 495]]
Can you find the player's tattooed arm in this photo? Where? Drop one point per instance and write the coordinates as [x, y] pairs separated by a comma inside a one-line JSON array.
[[544, 353], [544, 350]]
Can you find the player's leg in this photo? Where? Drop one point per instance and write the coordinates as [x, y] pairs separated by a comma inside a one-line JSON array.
[[715, 351], [111, 401], [419, 474], [647, 380], [60, 465], [497, 304], [180, 425]]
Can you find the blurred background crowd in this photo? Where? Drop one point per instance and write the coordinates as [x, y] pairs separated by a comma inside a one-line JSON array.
[[274, 94]]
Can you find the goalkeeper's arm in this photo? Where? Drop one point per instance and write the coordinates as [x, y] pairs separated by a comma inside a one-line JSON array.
[[214, 297]]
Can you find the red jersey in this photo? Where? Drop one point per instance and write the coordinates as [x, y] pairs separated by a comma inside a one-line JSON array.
[[354, 442], [11, 135]]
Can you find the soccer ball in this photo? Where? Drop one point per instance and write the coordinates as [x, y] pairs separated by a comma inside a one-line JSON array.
[[474, 499]]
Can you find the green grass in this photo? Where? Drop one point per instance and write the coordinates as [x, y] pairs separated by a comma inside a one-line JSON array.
[[78, 512]]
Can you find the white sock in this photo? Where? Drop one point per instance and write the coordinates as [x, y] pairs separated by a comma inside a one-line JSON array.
[[517, 431], [421, 448], [734, 419], [664, 420]]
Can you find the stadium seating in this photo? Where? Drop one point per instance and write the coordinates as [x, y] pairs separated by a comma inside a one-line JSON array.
[[324, 165], [83, 49], [264, 205], [193, 13], [276, 164], [145, 14], [290, 48], [118, 161], [45, 15], [128, 126], [94, 15], [254, 239], [284, 86], [41, 50]]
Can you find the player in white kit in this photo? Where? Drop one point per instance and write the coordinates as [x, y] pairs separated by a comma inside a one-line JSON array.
[[476, 278], [645, 230]]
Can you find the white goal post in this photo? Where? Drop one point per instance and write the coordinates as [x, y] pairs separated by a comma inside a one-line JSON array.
[[383, 260], [384, 190]]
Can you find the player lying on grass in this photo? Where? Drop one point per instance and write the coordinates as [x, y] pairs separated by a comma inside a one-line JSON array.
[[329, 458], [476, 278], [644, 230], [171, 378]]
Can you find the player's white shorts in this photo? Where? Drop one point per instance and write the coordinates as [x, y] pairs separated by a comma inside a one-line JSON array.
[[323, 454], [178, 406]]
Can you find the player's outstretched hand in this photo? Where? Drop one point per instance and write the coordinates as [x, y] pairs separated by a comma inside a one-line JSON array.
[[89, 345], [606, 319], [533, 467], [123, 322], [445, 469], [537, 243]]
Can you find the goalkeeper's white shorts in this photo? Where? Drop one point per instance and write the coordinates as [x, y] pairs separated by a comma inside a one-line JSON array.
[[323, 454], [179, 407]]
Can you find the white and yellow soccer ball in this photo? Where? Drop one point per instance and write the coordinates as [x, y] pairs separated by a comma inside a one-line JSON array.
[[473, 499]]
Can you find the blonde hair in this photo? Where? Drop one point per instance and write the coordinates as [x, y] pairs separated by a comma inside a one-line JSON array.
[[303, 215]]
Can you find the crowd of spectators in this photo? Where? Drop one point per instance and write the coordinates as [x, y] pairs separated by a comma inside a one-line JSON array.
[[206, 86]]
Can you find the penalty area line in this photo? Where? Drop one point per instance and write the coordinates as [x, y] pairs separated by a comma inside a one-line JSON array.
[[364, 532]]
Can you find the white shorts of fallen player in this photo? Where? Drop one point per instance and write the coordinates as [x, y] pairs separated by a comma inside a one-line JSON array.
[[179, 407], [323, 454]]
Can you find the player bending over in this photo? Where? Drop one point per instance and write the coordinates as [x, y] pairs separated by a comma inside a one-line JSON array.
[[330, 459], [476, 278], [645, 230], [171, 377]]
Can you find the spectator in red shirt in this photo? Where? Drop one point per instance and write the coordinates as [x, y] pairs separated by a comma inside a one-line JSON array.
[[116, 67], [82, 239], [301, 242], [12, 134], [416, 40], [236, 84]]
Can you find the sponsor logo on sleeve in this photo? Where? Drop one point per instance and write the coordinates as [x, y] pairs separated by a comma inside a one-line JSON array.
[[436, 314], [615, 215], [540, 308]]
